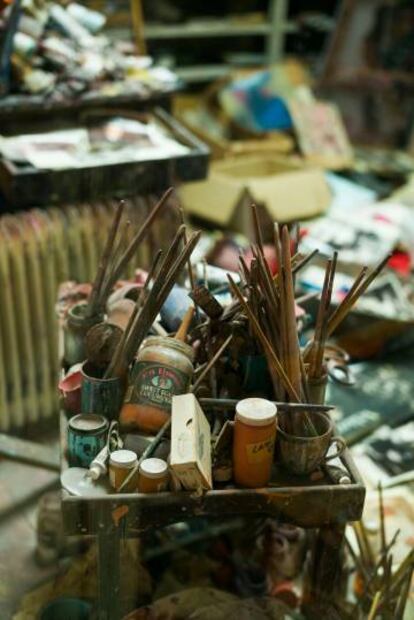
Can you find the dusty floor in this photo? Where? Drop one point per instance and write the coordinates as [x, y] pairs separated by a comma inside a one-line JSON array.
[[21, 486]]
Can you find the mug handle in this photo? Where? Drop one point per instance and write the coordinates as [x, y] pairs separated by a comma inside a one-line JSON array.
[[341, 445]]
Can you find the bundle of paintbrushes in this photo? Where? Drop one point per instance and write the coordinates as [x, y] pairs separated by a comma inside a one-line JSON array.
[[381, 589], [161, 278], [268, 302], [117, 254]]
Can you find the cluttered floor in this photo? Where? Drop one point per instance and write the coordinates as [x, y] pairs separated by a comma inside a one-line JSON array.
[[206, 311]]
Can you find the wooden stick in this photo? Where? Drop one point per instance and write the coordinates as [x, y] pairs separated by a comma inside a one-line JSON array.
[[321, 329], [291, 326], [131, 249], [105, 257], [374, 606], [157, 297], [211, 363], [304, 261], [120, 350], [122, 241], [403, 598], [350, 300], [382, 518], [257, 231], [185, 324], [333, 318], [270, 354]]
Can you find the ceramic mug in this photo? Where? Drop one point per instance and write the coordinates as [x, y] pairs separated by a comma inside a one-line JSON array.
[[301, 455]]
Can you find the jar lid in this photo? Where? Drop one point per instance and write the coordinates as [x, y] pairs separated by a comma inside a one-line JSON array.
[[153, 468], [170, 343], [256, 411], [125, 459], [88, 422]]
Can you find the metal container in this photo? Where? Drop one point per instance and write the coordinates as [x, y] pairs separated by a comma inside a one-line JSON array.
[[301, 455], [86, 437], [317, 389], [102, 396], [75, 330], [67, 609]]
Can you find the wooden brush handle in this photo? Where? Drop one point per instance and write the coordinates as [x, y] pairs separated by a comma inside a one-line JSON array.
[[183, 329]]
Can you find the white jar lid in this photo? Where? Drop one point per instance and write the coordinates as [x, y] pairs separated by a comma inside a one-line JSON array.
[[153, 468], [256, 411], [125, 459]]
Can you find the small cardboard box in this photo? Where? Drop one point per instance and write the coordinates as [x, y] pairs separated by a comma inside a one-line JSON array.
[[284, 191], [190, 458]]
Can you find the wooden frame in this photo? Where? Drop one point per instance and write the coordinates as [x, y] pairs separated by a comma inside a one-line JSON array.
[[321, 504]]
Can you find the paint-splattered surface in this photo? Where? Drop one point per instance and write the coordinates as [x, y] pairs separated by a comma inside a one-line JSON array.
[[21, 486]]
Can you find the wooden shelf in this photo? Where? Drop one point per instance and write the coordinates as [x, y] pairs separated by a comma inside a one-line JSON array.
[[210, 29]]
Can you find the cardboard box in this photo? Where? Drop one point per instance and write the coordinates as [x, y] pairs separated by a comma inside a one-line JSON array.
[[284, 191], [190, 458]]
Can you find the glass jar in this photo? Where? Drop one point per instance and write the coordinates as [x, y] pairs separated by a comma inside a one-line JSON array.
[[253, 442], [163, 369]]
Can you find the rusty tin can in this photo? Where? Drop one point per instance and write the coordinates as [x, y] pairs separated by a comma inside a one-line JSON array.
[[87, 434], [75, 330], [102, 396]]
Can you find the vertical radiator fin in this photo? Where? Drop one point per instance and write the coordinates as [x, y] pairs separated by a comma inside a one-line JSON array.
[[39, 249]]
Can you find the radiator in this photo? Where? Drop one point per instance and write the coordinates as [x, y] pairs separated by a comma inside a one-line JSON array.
[[39, 249]]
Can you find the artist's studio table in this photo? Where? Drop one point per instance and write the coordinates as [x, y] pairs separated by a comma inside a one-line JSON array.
[[319, 505]]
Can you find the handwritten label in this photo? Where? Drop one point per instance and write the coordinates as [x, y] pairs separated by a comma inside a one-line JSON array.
[[260, 451]]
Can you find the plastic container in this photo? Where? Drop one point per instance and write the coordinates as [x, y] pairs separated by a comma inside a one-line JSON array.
[[164, 369], [253, 442], [153, 476], [121, 462]]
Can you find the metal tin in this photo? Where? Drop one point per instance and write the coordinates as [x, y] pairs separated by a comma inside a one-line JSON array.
[[75, 329], [102, 396], [86, 438], [317, 389]]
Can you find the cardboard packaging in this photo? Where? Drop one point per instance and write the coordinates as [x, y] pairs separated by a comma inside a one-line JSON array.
[[190, 458], [284, 191]]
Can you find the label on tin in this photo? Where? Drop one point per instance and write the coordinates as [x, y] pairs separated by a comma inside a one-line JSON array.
[[260, 451], [156, 384]]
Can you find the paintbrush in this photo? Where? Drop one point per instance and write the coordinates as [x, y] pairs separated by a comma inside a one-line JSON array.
[[211, 363], [136, 240], [350, 300], [93, 306]]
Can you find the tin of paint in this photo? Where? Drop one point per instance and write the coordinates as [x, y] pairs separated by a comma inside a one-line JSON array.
[[102, 396], [86, 437], [75, 328], [153, 476]]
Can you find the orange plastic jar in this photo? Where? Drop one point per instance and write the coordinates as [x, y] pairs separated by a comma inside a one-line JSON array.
[[163, 369], [153, 476], [253, 442]]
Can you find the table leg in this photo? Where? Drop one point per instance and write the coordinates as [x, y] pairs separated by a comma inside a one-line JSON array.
[[327, 564], [109, 575]]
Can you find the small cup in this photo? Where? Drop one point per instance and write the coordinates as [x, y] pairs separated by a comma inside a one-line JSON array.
[[153, 476], [121, 464], [301, 455]]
